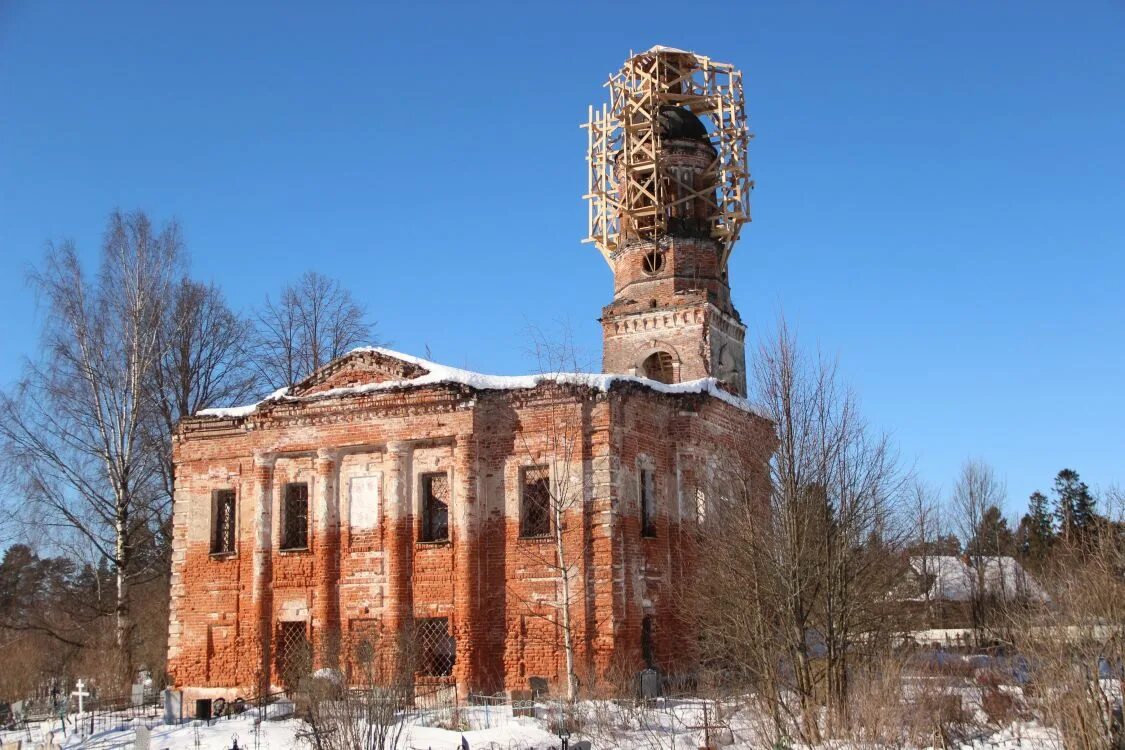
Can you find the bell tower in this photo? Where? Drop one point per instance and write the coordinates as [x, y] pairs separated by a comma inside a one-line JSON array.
[[668, 194]]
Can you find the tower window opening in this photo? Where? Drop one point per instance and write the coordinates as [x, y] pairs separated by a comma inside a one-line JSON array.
[[658, 367], [653, 262], [648, 503]]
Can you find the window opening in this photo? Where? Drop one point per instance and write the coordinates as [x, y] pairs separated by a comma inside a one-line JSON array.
[[653, 262], [437, 649], [295, 516], [222, 522], [648, 503], [658, 367], [435, 507], [294, 653], [535, 502]]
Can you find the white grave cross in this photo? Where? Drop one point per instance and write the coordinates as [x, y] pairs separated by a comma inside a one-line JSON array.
[[80, 693]]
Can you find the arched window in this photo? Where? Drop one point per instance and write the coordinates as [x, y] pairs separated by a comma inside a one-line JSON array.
[[658, 366]]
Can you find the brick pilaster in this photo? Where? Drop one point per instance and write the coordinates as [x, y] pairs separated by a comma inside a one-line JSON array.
[[398, 544], [326, 561], [262, 578], [466, 559]]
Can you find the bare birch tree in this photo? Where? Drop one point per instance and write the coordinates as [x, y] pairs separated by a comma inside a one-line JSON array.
[[556, 494], [977, 489], [928, 527], [312, 322], [74, 428]]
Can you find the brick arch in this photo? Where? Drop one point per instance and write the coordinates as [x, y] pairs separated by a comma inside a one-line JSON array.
[[643, 353]]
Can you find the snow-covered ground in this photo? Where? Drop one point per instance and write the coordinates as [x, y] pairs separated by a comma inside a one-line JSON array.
[[668, 726]]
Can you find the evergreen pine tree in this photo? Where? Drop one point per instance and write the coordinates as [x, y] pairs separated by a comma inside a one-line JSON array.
[[992, 536], [1074, 506], [1037, 531]]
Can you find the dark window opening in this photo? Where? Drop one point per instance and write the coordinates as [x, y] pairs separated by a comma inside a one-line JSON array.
[[535, 502], [203, 709], [647, 651], [659, 367], [437, 649], [222, 522], [295, 517], [648, 503], [653, 262], [435, 508], [294, 652]]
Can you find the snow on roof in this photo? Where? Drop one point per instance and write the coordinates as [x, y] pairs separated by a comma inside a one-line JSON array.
[[661, 48], [443, 374], [955, 578]]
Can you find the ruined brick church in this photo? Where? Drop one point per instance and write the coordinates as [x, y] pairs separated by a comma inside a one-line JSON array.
[[487, 520]]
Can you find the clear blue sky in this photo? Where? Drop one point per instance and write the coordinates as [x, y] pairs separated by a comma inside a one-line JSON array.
[[940, 201]]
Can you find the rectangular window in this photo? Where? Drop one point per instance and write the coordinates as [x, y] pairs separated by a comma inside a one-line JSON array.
[[648, 503], [437, 649], [535, 501], [435, 507], [295, 516], [294, 652], [222, 522]]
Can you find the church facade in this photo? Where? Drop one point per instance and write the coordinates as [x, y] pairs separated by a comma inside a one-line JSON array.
[[479, 523]]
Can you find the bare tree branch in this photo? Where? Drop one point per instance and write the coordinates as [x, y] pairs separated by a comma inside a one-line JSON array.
[[313, 321]]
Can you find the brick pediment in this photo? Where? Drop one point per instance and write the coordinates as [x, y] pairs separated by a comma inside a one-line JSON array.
[[363, 367]]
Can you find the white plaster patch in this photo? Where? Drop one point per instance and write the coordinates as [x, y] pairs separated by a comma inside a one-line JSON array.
[[294, 610], [365, 496]]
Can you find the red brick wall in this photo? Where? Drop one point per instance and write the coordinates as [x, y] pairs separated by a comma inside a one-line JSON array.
[[364, 572]]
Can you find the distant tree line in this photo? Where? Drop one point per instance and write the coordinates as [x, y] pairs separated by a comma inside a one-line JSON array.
[[129, 347], [1069, 519]]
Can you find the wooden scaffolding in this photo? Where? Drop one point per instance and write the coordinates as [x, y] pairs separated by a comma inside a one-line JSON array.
[[630, 186]]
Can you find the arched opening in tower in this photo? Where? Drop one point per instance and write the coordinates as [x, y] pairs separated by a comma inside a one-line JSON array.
[[687, 172], [658, 367]]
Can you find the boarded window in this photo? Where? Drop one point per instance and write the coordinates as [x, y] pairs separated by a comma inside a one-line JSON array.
[[363, 651], [437, 649], [435, 507], [648, 503], [535, 502], [295, 516], [222, 522]]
